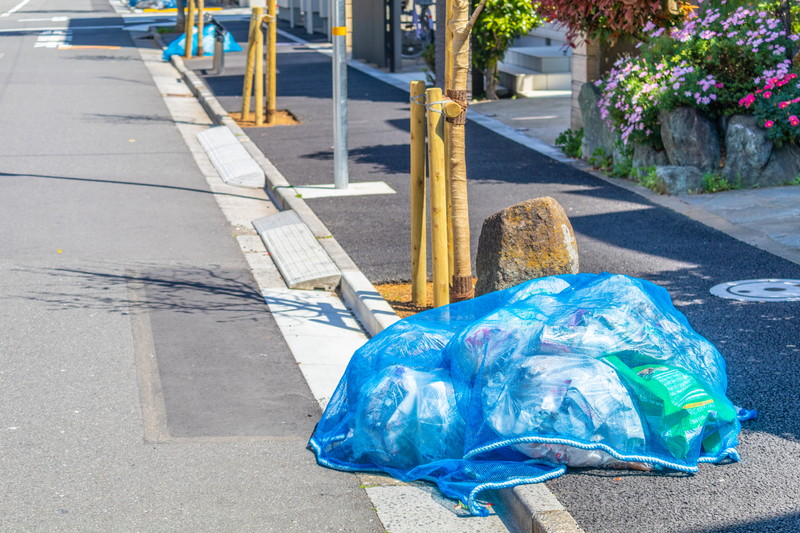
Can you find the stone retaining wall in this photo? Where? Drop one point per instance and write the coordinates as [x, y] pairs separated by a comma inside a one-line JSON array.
[[736, 148]]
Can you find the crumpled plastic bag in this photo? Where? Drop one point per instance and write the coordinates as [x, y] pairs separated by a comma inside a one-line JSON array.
[[512, 387]]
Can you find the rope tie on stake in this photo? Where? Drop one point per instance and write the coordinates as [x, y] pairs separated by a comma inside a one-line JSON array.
[[449, 107]]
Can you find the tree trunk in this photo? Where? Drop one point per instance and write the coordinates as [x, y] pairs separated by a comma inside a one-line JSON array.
[[180, 20], [460, 24], [490, 81]]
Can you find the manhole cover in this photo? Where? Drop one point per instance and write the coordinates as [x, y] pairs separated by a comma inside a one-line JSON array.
[[759, 290]]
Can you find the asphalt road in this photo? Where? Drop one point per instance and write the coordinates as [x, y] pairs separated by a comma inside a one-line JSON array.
[[144, 384], [617, 231]]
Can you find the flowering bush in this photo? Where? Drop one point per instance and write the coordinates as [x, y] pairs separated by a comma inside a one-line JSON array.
[[608, 20], [777, 106], [711, 62]]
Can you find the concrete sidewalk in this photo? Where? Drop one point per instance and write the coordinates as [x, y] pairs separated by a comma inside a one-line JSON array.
[[146, 383]]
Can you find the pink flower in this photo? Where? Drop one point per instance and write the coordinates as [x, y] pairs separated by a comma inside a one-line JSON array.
[[793, 120], [719, 85], [767, 94], [769, 123], [747, 101], [783, 105]]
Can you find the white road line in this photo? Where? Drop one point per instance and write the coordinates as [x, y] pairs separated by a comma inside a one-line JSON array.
[[15, 8], [58, 28], [51, 19]]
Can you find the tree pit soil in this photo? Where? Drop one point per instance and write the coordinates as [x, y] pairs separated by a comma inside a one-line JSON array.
[[398, 295], [283, 117]]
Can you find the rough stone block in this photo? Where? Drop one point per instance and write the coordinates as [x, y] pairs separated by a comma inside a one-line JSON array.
[[690, 139], [528, 240], [783, 166], [645, 156], [596, 133], [748, 150], [680, 179]]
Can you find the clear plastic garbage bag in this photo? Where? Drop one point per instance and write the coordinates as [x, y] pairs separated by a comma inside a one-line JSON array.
[[512, 387]]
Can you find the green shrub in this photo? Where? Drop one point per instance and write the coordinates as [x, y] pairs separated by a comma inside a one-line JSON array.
[[647, 177], [713, 182], [601, 160], [570, 142], [499, 24]]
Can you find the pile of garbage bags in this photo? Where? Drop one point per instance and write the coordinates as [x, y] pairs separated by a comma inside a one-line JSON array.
[[178, 46], [154, 4], [512, 387]]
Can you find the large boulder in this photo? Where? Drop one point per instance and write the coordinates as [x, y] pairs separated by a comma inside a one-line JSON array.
[[528, 240], [645, 156], [748, 151], [680, 180], [690, 139], [783, 166], [596, 133]]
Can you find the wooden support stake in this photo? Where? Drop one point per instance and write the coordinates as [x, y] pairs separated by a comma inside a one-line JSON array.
[[436, 163], [251, 60], [419, 251], [201, 6], [189, 29], [259, 69], [272, 58]]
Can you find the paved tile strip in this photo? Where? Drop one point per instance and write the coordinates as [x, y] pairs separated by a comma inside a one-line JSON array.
[[299, 257], [234, 164]]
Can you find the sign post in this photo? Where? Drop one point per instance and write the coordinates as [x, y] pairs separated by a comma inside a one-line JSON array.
[[339, 38]]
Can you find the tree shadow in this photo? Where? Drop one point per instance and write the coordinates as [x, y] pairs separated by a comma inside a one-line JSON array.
[[389, 159], [228, 294], [131, 184]]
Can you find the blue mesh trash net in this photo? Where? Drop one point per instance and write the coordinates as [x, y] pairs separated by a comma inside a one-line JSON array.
[[178, 46], [512, 387]]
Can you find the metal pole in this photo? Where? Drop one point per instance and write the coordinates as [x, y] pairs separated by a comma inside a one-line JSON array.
[[219, 50], [339, 38]]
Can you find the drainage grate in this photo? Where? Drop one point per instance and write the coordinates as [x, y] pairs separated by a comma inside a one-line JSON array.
[[759, 290]]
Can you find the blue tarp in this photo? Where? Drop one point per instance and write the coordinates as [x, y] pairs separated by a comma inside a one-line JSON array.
[[512, 387], [178, 46], [156, 4]]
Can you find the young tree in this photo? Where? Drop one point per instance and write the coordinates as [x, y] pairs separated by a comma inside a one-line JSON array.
[[500, 23], [460, 23]]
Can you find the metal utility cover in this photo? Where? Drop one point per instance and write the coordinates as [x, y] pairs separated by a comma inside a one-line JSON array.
[[759, 290]]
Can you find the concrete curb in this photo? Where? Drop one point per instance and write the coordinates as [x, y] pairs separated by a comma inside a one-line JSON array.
[[369, 307], [524, 502]]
